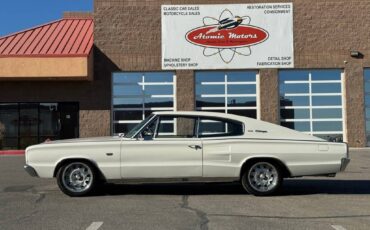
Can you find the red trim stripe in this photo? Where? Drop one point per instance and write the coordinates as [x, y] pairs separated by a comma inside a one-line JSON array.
[[12, 152]]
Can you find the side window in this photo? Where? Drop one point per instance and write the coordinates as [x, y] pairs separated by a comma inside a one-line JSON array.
[[219, 128], [148, 132], [176, 127]]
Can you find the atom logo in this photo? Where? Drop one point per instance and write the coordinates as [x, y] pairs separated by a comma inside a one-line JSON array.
[[227, 36]]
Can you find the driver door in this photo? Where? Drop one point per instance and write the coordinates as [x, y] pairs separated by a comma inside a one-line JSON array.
[[167, 148]]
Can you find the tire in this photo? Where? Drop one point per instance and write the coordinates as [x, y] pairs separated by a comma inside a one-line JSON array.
[[77, 178], [262, 178]]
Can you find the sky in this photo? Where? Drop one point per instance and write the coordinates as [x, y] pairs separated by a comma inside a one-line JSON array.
[[17, 15]]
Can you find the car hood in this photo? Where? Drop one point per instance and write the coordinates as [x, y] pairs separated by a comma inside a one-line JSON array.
[[86, 139]]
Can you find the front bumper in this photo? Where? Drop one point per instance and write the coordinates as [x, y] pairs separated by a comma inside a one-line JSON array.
[[344, 163], [30, 171]]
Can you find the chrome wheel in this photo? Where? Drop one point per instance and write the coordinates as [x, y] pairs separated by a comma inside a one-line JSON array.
[[77, 177], [263, 176]]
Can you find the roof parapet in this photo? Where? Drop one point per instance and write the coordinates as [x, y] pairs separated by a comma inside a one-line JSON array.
[[77, 15]]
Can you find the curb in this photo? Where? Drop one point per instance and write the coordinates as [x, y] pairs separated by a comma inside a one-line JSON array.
[[11, 152]]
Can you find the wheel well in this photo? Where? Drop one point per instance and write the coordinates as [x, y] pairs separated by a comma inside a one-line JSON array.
[[66, 161], [280, 164]]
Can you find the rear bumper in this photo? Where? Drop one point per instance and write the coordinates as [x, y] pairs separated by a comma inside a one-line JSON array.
[[344, 163], [30, 171]]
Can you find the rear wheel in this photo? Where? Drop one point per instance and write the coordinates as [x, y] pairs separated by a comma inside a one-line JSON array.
[[262, 178], [77, 178]]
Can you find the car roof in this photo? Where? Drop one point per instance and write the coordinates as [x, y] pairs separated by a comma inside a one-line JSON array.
[[256, 128], [205, 114]]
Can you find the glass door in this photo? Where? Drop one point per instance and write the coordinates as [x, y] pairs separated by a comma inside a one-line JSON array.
[[25, 124]]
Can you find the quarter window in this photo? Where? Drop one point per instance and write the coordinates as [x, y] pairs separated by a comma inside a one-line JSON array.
[[176, 127], [218, 128], [311, 101], [136, 95], [232, 92]]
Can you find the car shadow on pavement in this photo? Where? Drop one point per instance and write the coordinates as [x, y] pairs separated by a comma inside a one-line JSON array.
[[325, 186], [290, 187]]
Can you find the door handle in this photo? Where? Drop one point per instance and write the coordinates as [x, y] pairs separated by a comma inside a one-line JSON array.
[[196, 147]]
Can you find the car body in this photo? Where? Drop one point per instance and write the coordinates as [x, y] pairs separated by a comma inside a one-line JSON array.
[[189, 146]]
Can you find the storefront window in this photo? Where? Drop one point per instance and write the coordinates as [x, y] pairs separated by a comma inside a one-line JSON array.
[[367, 103], [232, 92], [25, 124], [311, 101], [136, 95]]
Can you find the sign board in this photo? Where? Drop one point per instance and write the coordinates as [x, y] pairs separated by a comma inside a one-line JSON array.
[[236, 36]]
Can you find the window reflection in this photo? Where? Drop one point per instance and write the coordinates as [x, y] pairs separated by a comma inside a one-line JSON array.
[[301, 75], [311, 101], [325, 74], [243, 112], [25, 124], [127, 78], [294, 88], [367, 103], [326, 100], [326, 88], [241, 101], [367, 100], [124, 128], [136, 95], [295, 113], [299, 126], [209, 76], [152, 102], [210, 102], [241, 89], [209, 89], [241, 76], [9, 126], [158, 90], [125, 90], [327, 126], [213, 128], [367, 86], [294, 101], [128, 102], [128, 115], [326, 113], [159, 77], [233, 91], [50, 126]]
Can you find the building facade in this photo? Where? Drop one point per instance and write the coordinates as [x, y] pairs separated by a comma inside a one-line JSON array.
[[326, 94]]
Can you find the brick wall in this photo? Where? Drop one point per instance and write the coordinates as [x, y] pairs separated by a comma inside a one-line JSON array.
[[128, 32], [128, 38], [92, 96]]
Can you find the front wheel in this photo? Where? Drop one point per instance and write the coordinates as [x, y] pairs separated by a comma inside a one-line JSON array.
[[76, 178], [262, 178]]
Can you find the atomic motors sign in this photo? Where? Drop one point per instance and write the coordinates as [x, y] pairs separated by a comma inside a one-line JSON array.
[[227, 36], [241, 36]]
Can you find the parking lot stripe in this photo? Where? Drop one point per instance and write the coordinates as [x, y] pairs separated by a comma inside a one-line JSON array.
[[338, 227], [94, 226]]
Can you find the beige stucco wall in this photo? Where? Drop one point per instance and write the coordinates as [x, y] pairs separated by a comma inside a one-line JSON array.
[[35, 68]]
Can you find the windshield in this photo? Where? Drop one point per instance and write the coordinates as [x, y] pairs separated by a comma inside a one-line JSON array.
[[134, 130]]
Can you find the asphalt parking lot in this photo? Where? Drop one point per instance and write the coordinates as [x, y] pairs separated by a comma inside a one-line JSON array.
[[337, 203]]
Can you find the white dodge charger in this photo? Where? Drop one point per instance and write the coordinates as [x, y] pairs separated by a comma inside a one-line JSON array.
[[188, 147]]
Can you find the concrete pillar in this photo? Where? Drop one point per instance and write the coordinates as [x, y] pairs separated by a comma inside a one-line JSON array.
[[269, 96], [185, 90], [355, 133]]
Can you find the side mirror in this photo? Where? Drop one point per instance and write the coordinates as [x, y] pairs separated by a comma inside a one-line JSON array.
[[121, 134]]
